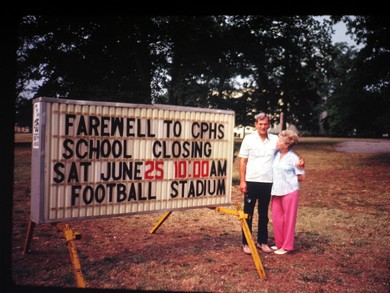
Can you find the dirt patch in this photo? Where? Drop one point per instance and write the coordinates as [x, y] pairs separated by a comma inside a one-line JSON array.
[[342, 239], [364, 146]]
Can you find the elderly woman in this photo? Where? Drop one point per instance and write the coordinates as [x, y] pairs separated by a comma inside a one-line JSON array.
[[285, 191]]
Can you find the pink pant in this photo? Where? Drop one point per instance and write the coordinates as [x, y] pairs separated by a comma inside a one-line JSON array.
[[284, 218]]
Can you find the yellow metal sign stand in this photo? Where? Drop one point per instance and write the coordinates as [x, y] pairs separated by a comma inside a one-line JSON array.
[[70, 235], [242, 217]]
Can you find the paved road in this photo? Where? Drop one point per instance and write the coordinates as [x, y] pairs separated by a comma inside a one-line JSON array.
[[363, 147]]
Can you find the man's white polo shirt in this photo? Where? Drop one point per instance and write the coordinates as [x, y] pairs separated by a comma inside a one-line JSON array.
[[260, 156]]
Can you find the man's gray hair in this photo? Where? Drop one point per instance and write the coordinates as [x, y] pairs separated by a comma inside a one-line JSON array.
[[261, 116]]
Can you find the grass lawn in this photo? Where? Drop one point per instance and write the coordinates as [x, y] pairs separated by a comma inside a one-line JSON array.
[[342, 237]]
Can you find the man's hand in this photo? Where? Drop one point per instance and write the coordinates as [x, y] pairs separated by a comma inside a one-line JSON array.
[[243, 187], [301, 163]]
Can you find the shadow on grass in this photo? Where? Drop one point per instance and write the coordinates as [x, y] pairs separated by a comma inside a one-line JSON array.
[[312, 240]]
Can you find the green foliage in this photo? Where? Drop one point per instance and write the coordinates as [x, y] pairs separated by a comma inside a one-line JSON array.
[[287, 64], [180, 60], [359, 104]]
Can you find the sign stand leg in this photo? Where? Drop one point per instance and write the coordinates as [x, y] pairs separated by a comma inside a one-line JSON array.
[[159, 223], [242, 217], [255, 254], [27, 243], [70, 235]]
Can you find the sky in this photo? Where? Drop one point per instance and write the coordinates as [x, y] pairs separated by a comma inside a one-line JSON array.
[[340, 33], [340, 36]]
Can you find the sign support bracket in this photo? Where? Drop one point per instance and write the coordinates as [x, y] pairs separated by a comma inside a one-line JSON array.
[[69, 235], [245, 228], [27, 243], [160, 222]]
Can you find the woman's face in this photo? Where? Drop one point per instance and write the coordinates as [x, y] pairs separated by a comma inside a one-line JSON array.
[[280, 145]]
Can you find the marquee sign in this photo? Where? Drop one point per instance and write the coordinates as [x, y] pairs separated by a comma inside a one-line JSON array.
[[100, 159]]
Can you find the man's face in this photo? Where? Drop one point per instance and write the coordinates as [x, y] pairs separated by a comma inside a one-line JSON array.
[[262, 126]]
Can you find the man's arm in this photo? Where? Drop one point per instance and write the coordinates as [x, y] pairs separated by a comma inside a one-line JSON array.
[[301, 163], [243, 163]]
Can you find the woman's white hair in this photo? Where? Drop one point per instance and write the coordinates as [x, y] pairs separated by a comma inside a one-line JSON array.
[[289, 137]]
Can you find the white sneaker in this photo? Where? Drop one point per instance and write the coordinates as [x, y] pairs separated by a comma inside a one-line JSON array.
[[246, 249], [281, 251]]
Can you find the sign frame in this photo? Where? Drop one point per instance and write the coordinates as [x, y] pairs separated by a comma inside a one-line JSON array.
[[62, 115]]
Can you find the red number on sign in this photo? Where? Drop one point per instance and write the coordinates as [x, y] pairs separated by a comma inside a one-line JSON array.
[[154, 170], [180, 169], [200, 169]]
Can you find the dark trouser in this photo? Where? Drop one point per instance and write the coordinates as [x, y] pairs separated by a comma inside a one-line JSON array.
[[262, 193]]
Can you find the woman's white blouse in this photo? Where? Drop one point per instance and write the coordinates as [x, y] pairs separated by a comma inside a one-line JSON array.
[[285, 174]]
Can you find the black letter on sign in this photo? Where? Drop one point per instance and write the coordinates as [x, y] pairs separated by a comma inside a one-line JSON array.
[[68, 123], [174, 192], [60, 176], [82, 128], [73, 173], [69, 152], [87, 200], [75, 193]]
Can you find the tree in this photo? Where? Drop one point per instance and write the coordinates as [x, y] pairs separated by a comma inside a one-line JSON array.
[[360, 104], [285, 61], [339, 107], [180, 60], [198, 63], [89, 58]]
